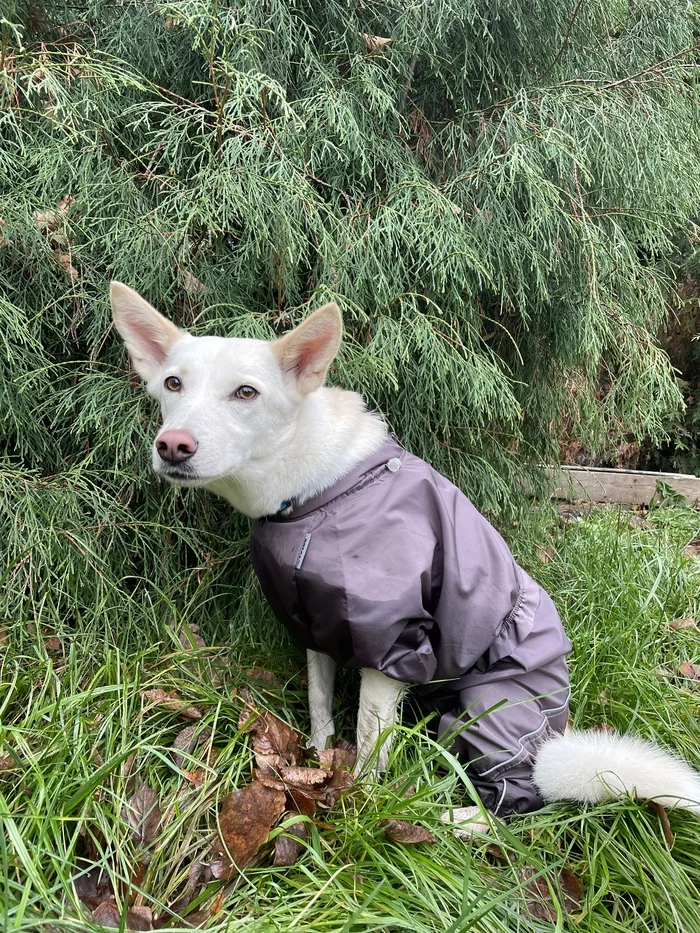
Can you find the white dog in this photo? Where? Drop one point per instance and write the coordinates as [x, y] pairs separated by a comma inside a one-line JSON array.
[[375, 561]]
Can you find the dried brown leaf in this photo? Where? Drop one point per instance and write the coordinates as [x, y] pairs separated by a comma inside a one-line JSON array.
[[92, 886], [65, 261], [197, 874], [690, 671], [139, 918], [52, 645], [374, 44], [407, 833], [143, 814], [192, 285], [170, 700], [192, 921], [262, 676], [49, 220], [311, 793], [300, 802], [7, 762], [246, 818], [539, 899], [275, 743], [337, 758], [679, 624], [544, 552], [187, 740], [195, 778], [663, 819], [304, 777], [218, 902], [190, 637], [693, 549], [107, 914], [289, 845]]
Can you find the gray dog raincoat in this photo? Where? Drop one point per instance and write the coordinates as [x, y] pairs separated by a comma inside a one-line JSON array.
[[392, 568]]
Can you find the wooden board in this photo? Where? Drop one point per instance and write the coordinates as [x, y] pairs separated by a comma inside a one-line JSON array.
[[626, 487]]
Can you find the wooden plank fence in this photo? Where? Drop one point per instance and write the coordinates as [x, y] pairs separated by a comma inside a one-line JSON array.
[[625, 487]]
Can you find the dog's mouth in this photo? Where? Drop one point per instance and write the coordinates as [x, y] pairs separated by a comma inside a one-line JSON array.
[[179, 475]]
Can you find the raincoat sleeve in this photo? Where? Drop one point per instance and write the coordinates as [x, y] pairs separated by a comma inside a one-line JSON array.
[[388, 604]]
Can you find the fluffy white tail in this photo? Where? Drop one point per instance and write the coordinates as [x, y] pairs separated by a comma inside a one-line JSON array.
[[589, 767]]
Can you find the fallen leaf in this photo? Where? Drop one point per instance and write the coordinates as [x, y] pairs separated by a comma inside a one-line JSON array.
[[539, 899], [308, 793], [497, 852], [406, 833], [65, 261], [92, 886], [137, 877], [52, 645], [605, 727], [693, 549], [289, 845], [263, 677], [663, 819], [195, 778], [337, 758], [544, 553], [172, 702], [374, 43], [299, 802], [143, 814], [139, 918], [691, 671], [679, 624], [192, 921], [218, 902], [197, 874], [246, 818], [192, 285], [189, 637], [304, 777], [128, 774], [187, 740], [107, 914], [275, 743], [49, 220]]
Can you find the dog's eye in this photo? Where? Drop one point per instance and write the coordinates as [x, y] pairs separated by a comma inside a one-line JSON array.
[[247, 393], [172, 384]]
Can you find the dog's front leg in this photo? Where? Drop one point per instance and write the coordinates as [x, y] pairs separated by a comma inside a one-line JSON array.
[[379, 699], [321, 670]]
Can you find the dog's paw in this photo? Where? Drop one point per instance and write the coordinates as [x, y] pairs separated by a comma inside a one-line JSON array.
[[466, 821]]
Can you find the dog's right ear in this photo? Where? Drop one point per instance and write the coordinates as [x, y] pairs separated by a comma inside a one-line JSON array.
[[305, 353], [147, 334]]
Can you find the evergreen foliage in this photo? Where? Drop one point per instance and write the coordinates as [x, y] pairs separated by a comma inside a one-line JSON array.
[[491, 196]]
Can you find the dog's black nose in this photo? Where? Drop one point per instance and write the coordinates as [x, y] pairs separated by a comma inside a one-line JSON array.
[[175, 446]]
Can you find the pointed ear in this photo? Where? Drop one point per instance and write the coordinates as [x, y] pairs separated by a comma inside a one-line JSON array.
[[305, 353], [148, 335]]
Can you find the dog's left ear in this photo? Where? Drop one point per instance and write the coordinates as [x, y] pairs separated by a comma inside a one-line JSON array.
[[305, 353]]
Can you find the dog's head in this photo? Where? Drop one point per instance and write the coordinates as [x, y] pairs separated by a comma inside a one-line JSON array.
[[225, 401]]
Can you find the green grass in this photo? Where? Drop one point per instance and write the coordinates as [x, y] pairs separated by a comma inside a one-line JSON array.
[[72, 715]]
